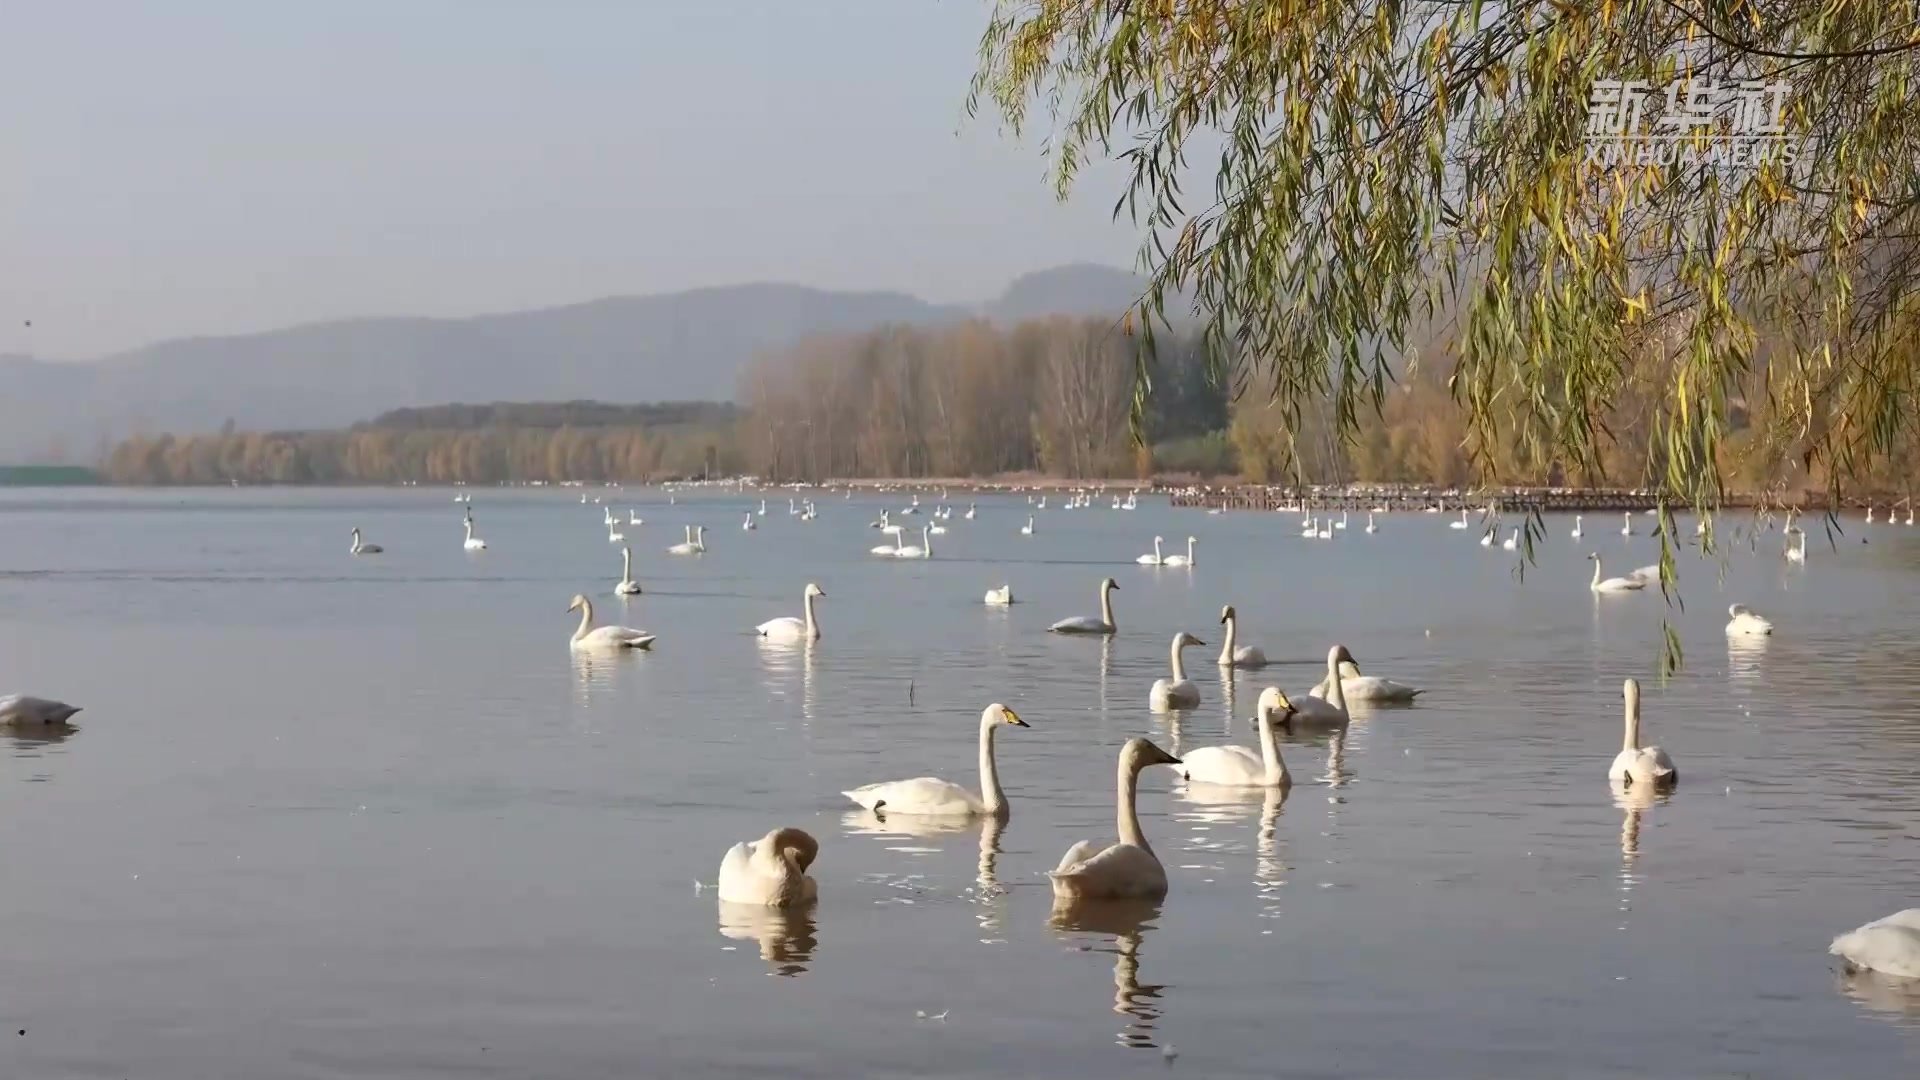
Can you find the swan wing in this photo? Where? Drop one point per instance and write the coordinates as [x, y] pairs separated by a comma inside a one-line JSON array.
[[1371, 688], [921, 795], [1318, 711], [1249, 656], [615, 637], [1121, 871], [1234, 766], [786, 626], [1080, 624]]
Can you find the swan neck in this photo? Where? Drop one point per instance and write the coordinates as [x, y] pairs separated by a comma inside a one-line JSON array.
[[1106, 607], [1129, 815], [990, 793], [1270, 753], [586, 619], [813, 628], [1179, 669], [1233, 635], [1631, 741], [1596, 571], [1336, 691], [626, 565]]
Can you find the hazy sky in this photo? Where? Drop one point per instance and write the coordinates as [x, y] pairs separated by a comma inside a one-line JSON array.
[[215, 166]]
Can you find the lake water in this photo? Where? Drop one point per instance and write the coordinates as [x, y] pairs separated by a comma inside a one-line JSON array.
[[338, 817]]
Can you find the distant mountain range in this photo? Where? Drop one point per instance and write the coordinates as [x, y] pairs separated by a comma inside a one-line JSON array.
[[671, 347]]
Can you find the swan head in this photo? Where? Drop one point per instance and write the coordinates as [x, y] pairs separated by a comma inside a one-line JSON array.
[[1349, 669], [579, 602], [815, 590], [1184, 639], [1338, 655], [997, 713], [1274, 706], [1193, 539], [1737, 610], [1227, 615], [1110, 585], [1593, 556], [1140, 753]]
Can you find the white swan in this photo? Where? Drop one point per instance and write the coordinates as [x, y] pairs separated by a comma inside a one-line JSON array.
[[788, 628], [615, 536], [1237, 766], [748, 525], [938, 529], [1309, 529], [1181, 560], [606, 516], [1027, 529], [1512, 542], [1890, 946], [1342, 523], [1615, 584], [970, 511], [1462, 523], [1486, 538], [922, 550], [1649, 573], [1627, 529], [1154, 559], [884, 549], [1745, 622], [1001, 596], [634, 518], [1576, 527], [474, 543], [361, 547], [1089, 624], [696, 543], [1368, 688], [1371, 527], [1127, 870], [627, 586], [1326, 704], [1636, 764], [1233, 655], [763, 508], [770, 871], [933, 797], [19, 710], [1178, 692], [589, 636], [1797, 548]]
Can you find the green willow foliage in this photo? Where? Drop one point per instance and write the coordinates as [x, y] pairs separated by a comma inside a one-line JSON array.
[[1388, 174]]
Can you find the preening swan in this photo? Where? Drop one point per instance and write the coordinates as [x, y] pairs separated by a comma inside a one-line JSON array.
[[589, 636], [1638, 765], [19, 710], [1368, 688], [360, 547], [696, 542], [1089, 624], [1178, 692], [1576, 527], [627, 586], [1181, 560], [1330, 710], [1127, 870], [788, 628], [1001, 596], [1890, 946], [1233, 654], [926, 795], [473, 543], [770, 871], [1613, 584], [1745, 622], [1153, 559], [1237, 766]]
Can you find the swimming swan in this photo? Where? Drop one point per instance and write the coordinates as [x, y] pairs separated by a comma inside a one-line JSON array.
[[748, 525], [1636, 764], [1613, 584], [1326, 705], [1179, 692], [1797, 548], [1127, 870], [1001, 596], [1576, 527], [1512, 542], [1237, 656], [1237, 766], [362, 548], [696, 543], [589, 636], [1371, 527], [1181, 560], [1462, 523], [1089, 624], [788, 628], [922, 550], [627, 586], [19, 710], [1745, 622], [474, 543], [1369, 688], [1627, 529], [1154, 559], [1890, 946], [771, 871], [927, 795]]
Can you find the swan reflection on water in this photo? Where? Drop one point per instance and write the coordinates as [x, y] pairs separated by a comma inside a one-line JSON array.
[[988, 893], [29, 739], [1120, 927], [786, 937], [1744, 655], [779, 661], [1633, 801], [1891, 996]]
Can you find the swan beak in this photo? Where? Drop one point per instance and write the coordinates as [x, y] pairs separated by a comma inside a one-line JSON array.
[[1014, 718]]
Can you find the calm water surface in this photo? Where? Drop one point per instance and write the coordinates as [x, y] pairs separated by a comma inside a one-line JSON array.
[[339, 817]]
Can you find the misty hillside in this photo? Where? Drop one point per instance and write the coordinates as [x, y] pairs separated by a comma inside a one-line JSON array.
[[683, 346]]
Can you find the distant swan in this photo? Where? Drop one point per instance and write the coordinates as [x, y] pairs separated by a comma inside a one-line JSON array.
[[1001, 596], [1233, 655], [1627, 528], [1178, 692], [1512, 542], [1745, 622], [1027, 529], [362, 548], [589, 636], [922, 550], [1089, 624], [927, 795], [1237, 766], [1371, 527], [1461, 524], [970, 511], [748, 525], [634, 518], [1576, 527], [788, 628], [1181, 560], [771, 871], [1127, 870], [19, 710], [474, 543], [1615, 584], [696, 543], [1636, 764], [627, 586], [1486, 538], [615, 536], [1155, 559], [1890, 946], [1797, 548]]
